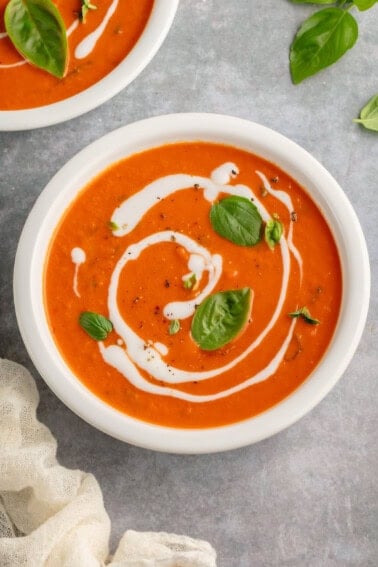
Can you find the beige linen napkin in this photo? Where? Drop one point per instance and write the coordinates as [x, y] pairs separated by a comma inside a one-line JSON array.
[[51, 516]]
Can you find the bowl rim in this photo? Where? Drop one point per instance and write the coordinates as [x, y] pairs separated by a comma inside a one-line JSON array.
[[152, 132], [146, 47]]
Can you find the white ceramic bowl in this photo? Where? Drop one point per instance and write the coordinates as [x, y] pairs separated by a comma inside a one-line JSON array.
[[154, 132], [153, 35]]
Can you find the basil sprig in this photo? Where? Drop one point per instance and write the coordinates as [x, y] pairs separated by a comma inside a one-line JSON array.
[[37, 31], [174, 327], [221, 317], [273, 232], [237, 219], [304, 313], [97, 326], [369, 115], [321, 40]]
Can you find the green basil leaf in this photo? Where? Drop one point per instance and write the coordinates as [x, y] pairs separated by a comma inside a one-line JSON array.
[[364, 4], [237, 219], [190, 282], [321, 40], [37, 31], [305, 314], [174, 327], [273, 232], [221, 317], [97, 326], [369, 115]]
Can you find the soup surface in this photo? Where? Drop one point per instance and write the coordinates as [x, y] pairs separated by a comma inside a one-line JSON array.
[[109, 33], [138, 247]]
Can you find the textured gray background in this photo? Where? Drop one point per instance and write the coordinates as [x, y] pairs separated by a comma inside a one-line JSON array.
[[308, 496]]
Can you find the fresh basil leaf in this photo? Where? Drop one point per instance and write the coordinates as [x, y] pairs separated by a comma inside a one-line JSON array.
[[305, 314], [37, 31], [174, 327], [364, 4], [190, 282], [221, 317], [273, 232], [369, 115], [85, 7], [320, 41], [237, 219], [97, 326]]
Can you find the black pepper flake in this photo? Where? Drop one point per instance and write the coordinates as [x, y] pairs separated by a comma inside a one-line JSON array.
[[162, 216], [275, 179], [196, 186], [166, 283], [140, 324], [234, 172], [136, 299], [173, 238], [157, 310], [294, 216]]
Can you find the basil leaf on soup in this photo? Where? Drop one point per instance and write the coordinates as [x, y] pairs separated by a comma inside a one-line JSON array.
[[174, 327], [220, 318], [320, 41], [97, 326], [237, 219], [304, 313], [273, 232], [37, 31], [369, 115], [364, 4]]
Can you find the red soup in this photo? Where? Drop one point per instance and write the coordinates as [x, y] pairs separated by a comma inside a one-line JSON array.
[[163, 307], [96, 47]]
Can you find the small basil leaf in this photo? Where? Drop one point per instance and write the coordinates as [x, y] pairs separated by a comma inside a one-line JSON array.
[[237, 219], [369, 115], [273, 232], [97, 326], [221, 317], [364, 4], [37, 31], [305, 314], [190, 282], [174, 327], [321, 40]]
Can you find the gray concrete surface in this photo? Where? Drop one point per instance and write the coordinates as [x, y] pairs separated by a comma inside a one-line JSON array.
[[308, 496]]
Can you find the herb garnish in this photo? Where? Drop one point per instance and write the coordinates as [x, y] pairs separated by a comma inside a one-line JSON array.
[[113, 226], [220, 317], [273, 232], [37, 31], [369, 115], [97, 326], [324, 37], [190, 282], [86, 5], [174, 327], [237, 219], [305, 314]]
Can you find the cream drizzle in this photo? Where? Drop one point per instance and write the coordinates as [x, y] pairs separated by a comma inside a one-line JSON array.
[[147, 356], [87, 45], [78, 257]]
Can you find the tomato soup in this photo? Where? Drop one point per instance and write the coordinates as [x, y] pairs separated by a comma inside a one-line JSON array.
[[138, 247], [95, 48]]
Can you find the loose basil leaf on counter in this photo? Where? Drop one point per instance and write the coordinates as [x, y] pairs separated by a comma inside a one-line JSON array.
[[37, 31], [174, 327], [369, 115], [97, 326], [237, 219], [305, 314], [364, 4], [220, 317], [273, 232], [320, 41]]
